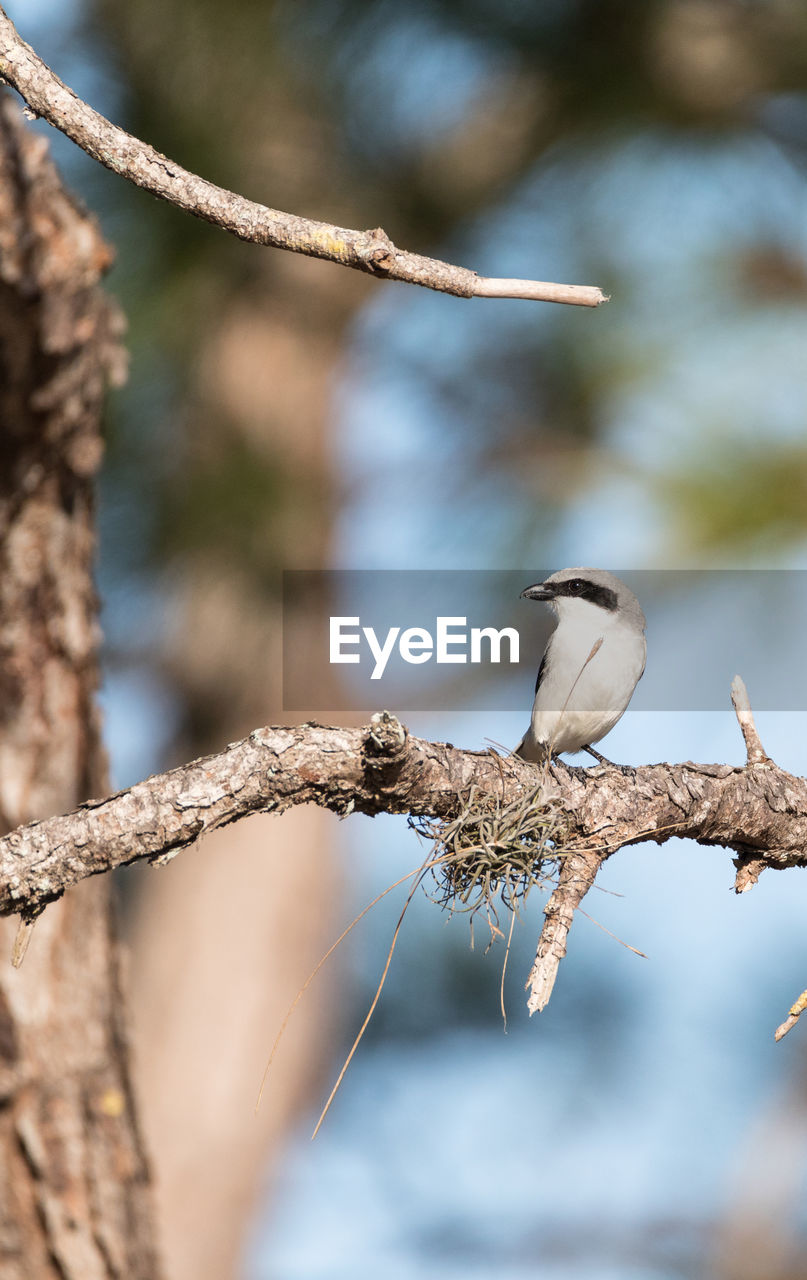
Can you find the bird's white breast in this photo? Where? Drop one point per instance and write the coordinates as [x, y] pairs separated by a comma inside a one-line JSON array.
[[593, 662]]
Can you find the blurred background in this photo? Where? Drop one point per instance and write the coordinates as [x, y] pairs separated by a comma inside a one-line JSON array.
[[284, 413]]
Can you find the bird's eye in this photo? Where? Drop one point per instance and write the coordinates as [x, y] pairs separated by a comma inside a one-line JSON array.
[[576, 587]]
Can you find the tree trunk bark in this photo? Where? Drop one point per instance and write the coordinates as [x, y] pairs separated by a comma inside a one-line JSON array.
[[75, 1199]]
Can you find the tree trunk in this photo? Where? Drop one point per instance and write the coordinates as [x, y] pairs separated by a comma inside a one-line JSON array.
[[75, 1199]]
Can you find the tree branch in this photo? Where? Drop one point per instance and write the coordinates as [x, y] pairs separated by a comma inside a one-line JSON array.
[[369, 251], [745, 718], [576, 876], [794, 1013], [759, 812]]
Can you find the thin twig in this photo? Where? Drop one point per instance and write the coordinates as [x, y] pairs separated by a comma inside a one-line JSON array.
[[749, 867], [369, 251], [745, 718], [579, 295], [796, 1010]]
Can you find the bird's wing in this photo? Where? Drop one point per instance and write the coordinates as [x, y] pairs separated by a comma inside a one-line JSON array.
[[541, 670], [519, 751]]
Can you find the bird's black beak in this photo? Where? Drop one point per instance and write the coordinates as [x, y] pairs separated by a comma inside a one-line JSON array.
[[539, 592]]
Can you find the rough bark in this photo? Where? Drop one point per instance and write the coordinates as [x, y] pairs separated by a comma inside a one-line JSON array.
[[74, 1188], [758, 810], [370, 251]]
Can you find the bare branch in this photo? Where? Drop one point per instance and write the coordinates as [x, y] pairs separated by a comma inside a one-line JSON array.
[[748, 872], [369, 251], [749, 867], [581, 295], [382, 769], [796, 1010], [759, 813], [577, 874], [745, 718]]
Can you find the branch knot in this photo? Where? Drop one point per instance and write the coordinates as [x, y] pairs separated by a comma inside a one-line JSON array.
[[379, 252], [385, 743]]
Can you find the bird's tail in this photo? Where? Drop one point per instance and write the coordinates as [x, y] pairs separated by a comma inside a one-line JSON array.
[[529, 748]]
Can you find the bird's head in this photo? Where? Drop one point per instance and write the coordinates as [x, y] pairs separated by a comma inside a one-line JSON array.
[[579, 592]]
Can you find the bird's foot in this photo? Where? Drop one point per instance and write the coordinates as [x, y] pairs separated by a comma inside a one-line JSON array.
[[577, 771], [626, 769]]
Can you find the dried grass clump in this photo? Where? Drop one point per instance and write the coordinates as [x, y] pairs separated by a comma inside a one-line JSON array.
[[493, 850]]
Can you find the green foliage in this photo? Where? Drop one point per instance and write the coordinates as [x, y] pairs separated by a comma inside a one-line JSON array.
[[740, 500]]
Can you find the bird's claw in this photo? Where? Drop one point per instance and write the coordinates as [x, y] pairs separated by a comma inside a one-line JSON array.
[[627, 770], [577, 771]]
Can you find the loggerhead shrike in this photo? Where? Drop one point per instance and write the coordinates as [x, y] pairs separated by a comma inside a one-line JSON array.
[[593, 661]]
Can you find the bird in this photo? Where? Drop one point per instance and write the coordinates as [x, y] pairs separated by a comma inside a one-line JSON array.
[[592, 663]]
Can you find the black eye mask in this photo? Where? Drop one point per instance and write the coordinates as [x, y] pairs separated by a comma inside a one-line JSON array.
[[584, 589]]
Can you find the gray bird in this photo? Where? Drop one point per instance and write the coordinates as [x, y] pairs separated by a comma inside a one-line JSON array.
[[593, 661]]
